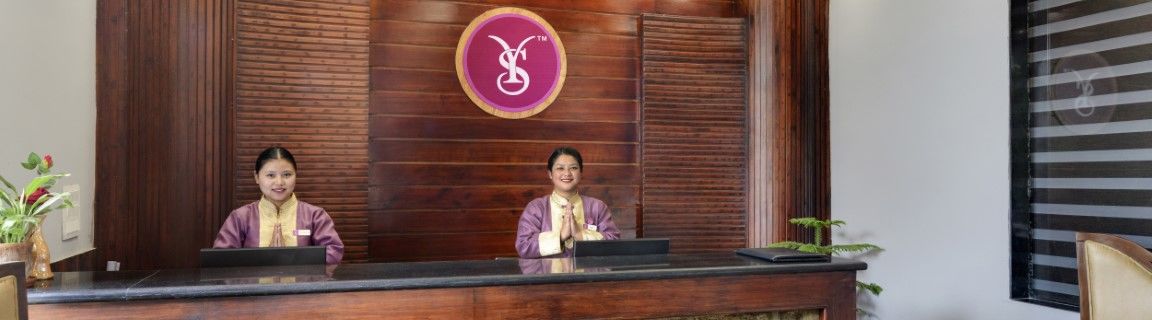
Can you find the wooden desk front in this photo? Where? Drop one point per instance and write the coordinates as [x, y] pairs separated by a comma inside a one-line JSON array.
[[678, 285]]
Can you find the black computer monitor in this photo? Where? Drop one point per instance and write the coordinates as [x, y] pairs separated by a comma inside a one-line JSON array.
[[254, 257], [620, 263], [620, 247]]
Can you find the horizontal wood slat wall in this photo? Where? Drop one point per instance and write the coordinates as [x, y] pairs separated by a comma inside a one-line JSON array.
[[694, 131], [447, 180], [302, 83]]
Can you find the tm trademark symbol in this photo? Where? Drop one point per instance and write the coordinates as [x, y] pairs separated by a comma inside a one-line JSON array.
[[542, 38]]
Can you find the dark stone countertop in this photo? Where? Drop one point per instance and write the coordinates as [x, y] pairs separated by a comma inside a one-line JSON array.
[[68, 287]]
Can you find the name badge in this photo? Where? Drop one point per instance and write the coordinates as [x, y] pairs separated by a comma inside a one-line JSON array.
[[592, 227], [303, 232]]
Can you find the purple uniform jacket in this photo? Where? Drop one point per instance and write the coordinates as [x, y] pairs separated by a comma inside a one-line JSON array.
[[242, 229], [537, 218]]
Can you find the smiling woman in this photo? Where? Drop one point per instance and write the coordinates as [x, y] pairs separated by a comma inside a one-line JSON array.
[[278, 219], [550, 225]]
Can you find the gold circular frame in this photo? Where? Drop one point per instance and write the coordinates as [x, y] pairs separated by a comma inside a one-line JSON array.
[[471, 92]]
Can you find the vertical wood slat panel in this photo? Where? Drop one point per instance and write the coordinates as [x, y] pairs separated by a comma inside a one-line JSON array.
[[818, 125], [160, 156], [694, 131], [302, 83], [761, 120], [801, 178], [112, 83]]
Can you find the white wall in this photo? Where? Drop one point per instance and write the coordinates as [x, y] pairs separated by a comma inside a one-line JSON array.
[[919, 98], [48, 102], [920, 151]]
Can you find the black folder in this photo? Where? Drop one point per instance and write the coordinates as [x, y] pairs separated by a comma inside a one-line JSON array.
[[783, 255]]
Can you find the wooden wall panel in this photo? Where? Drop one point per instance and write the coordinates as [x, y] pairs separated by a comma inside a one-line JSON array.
[[695, 136], [801, 154], [302, 83], [308, 71], [761, 120], [788, 117], [466, 174], [163, 154], [112, 94], [447, 180], [414, 103]]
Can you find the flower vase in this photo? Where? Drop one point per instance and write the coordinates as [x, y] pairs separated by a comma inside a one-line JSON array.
[[22, 251], [41, 258]]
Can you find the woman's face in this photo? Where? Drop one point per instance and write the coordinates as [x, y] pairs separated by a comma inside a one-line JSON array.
[[277, 179], [565, 174]]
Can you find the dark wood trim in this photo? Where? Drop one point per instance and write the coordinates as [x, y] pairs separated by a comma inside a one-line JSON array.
[[224, 73], [789, 102], [1128, 248], [1139, 254], [760, 121], [110, 208], [802, 99], [17, 270], [81, 262]]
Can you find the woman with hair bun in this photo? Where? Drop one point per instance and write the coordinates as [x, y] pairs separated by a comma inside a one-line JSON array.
[[278, 219], [550, 225]]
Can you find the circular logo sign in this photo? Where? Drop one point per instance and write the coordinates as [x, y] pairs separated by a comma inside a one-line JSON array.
[[511, 63], [1089, 84]]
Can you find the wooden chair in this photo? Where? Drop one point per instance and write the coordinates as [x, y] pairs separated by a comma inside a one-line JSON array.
[[13, 294], [1115, 278]]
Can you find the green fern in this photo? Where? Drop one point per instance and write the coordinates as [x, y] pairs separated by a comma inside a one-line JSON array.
[[852, 248], [875, 289], [787, 244], [818, 246]]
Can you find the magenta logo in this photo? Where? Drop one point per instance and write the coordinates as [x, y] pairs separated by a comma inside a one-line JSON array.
[[511, 63]]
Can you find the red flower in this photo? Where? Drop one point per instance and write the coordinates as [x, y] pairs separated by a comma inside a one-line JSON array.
[[48, 161], [40, 192]]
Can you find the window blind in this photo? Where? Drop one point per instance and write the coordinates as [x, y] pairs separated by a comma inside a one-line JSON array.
[[1082, 136]]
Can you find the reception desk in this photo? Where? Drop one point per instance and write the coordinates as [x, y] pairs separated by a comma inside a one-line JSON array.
[[593, 287]]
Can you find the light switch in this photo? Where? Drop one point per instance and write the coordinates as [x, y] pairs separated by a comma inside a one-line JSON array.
[[71, 216]]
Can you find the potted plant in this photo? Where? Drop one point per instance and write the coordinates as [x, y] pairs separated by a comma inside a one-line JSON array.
[[23, 209], [817, 246]]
